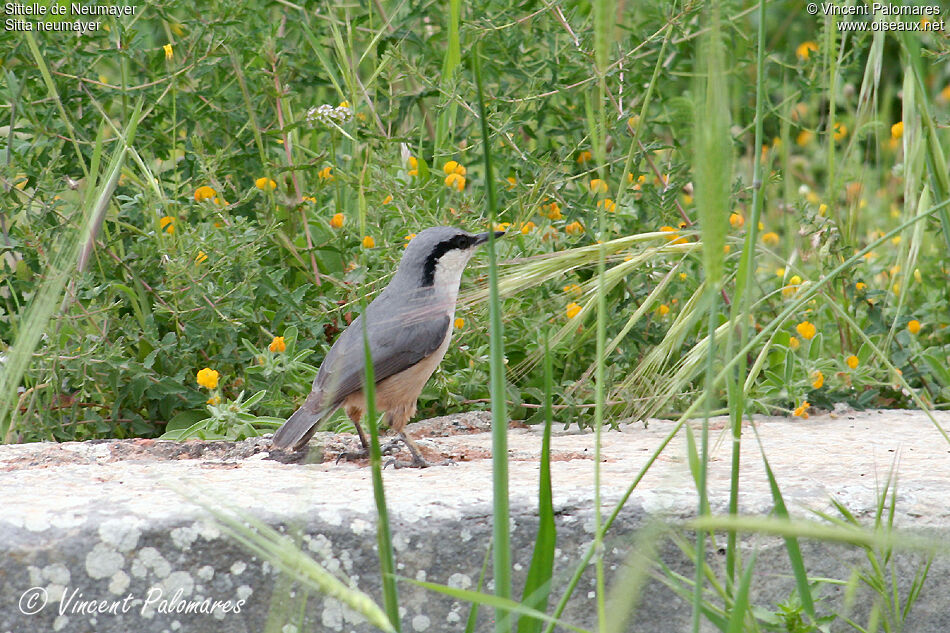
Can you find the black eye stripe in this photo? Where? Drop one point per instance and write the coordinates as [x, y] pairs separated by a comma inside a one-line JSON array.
[[443, 247]]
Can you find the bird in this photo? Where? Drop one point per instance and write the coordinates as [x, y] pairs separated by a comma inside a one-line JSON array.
[[408, 325]]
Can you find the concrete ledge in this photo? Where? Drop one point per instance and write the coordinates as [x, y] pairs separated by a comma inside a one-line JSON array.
[[98, 521]]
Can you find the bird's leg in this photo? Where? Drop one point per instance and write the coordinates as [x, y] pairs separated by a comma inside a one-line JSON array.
[[417, 460], [355, 413], [398, 418]]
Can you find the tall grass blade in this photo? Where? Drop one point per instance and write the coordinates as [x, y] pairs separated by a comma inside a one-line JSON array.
[[504, 605], [741, 603], [472, 621], [791, 543], [445, 124], [537, 585], [712, 169], [741, 312], [39, 312], [501, 538], [629, 581], [387, 558], [281, 551]]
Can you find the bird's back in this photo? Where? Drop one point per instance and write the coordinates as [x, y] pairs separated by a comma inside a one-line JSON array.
[[403, 328]]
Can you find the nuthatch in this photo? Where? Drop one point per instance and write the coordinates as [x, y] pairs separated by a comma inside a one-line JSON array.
[[409, 326]]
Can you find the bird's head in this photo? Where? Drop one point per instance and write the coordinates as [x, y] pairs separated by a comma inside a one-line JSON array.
[[438, 255]]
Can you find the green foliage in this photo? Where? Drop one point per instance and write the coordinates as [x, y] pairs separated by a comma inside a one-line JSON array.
[[174, 283]]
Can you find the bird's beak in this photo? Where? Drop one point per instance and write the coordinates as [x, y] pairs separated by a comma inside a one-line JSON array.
[[481, 238]]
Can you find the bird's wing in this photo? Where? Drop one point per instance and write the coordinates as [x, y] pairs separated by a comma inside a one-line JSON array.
[[395, 345]]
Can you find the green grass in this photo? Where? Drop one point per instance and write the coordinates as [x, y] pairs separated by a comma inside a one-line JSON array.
[[711, 208]]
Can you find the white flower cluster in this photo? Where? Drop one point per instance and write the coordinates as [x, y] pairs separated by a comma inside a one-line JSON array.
[[327, 115]]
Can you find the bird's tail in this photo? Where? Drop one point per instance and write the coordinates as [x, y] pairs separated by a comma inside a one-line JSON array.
[[299, 428]]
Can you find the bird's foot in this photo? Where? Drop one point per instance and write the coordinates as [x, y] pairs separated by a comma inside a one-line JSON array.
[[352, 456], [417, 462], [391, 447]]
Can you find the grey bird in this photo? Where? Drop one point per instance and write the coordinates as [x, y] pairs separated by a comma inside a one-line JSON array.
[[409, 326]]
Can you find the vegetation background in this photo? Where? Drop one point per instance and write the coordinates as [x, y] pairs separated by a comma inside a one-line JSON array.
[[742, 201], [250, 203]]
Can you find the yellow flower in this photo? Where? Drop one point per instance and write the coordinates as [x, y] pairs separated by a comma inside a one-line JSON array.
[[897, 130], [804, 138], [584, 157], [852, 361], [309, 199], [459, 323], [802, 410], [674, 237], [503, 226], [453, 167], [770, 238], [369, 242], [860, 286], [208, 378], [277, 345], [168, 224], [663, 310], [607, 204], [221, 202], [413, 162], [683, 276], [917, 276], [822, 209], [574, 228], [553, 211], [841, 131], [177, 29], [388, 199], [806, 329], [201, 258], [527, 227], [817, 379], [573, 289], [793, 343], [326, 173], [780, 271], [344, 104], [550, 233], [213, 400], [512, 182], [572, 310], [337, 221], [793, 282], [913, 326], [455, 181], [598, 186], [169, 53], [204, 192], [265, 184], [805, 50], [736, 220], [634, 121]]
